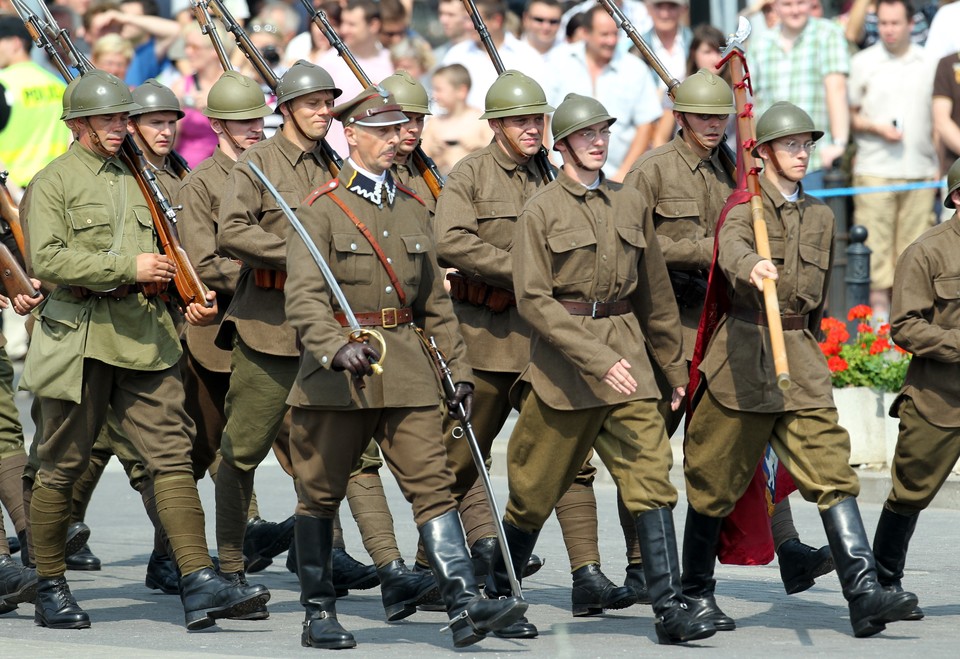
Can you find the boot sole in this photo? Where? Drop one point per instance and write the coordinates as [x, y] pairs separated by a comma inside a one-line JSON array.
[[42, 622], [203, 618], [407, 608], [363, 583], [338, 645], [77, 542], [153, 584], [663, 638], [584, 610], [877, 623], [26, 595], [96, 567], [806, 582], [258, 563], [503, 619]]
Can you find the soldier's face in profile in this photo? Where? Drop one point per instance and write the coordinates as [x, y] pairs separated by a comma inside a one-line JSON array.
[[410, 133], [525, 132], [373, 147], [158, 130]]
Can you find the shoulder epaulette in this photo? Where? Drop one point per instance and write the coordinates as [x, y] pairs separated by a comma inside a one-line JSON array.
[[329, 186], [410, 192]]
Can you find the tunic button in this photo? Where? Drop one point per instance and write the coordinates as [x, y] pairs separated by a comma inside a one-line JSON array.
[[417, 246], [676, 212], [603, 256], [353, 246], [89, 221], [389, 260], [388, 289], [386, 234], [324, 360]]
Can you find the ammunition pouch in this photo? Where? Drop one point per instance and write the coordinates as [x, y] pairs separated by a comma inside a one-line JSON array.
[[689, 287], [481, 294], [264, 278]]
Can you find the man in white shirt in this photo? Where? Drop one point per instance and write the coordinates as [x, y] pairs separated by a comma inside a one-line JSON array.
[[944, 37], [635, 11], [541, 24]]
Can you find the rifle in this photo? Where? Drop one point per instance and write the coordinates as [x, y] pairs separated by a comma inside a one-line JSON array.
[[48, 35], [426, 166], [333, 161], [542, 158], [202, 12], [14, 278], [747, 132]]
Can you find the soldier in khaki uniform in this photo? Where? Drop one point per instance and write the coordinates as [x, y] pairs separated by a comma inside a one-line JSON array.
[[154, 128], [393, 281], [924, 319], [265, 357], [412, 97], [592, 284], [105, 340], [742, 409], [686, 184], [476, 222]]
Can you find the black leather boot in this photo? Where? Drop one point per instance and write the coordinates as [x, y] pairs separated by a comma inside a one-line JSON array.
[[77, 554], [890, 551], [13, 544], [402, 589], [351, 574], [637, 581], [314, 542], [871, 606], [593, 592], [482, 553], [521, 546], [207, 596], [801, 564], [264, 540], [240, 579], [24, 549], [56, 607], [162, 574], [435, 604], [675, 623], [700, 537], [18, 584], [471, 616]]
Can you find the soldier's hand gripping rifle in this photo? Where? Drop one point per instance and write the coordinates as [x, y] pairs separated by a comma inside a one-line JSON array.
[[49, 36], [733, 54], [15, 279], [331, 159], [542, 158], [426, 166]]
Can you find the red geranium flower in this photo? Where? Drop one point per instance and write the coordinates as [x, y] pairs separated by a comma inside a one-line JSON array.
[[836, 364], [864, 328], [880, 345], [861, 311]]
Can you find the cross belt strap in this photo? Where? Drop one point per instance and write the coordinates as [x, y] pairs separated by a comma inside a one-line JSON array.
[[597, 309], [789, 321], [385, 318], [376, 247]]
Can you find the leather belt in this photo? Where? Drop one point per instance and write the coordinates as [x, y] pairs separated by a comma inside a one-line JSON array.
[[118, 293], [264, 278], [597, 309], [789, 321], [385, 318]]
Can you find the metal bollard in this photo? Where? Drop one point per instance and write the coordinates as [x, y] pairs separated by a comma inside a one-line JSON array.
[[858, 270], [837, 303]]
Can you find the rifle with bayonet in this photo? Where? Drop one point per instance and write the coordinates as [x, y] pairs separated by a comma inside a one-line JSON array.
[[542, 158], [331, 159], [12, 273], [48, 35], [201, 11], [426, 166]]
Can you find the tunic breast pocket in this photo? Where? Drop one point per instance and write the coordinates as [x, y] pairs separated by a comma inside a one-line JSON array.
[[674, 218], [92, 227], [574, 256], [416, 247], [353, 259], [146, 237], [814, 262], [496, 221], [947, 289], [273, 219], [632, 244]]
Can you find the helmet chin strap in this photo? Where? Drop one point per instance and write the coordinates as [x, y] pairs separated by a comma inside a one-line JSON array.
[[95, 140], [296, 124], [692, 134], [573, 154], [518, 155], [233, 140], [144, 141]]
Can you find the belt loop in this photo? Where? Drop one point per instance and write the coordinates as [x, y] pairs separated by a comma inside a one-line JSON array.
[[593, 311]]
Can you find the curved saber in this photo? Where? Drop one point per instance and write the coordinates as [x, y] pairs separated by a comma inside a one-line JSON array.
[[357, 333]]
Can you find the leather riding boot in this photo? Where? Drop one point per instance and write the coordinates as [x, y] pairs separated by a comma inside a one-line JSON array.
[[636, 580], [675, 623], [700, 537], [801, 564], [593, 592], [471, 616], [321, 629], [56, 607], [402, 589], [521, 546], [482, 553], [871, 606], [18, 584], [890, 551], [207, 596], [264, 540]]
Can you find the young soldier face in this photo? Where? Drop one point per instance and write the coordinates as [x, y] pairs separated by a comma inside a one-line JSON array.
[[158, 130], [373, 147], [792, 153], [410, 133], [247, 132], [525, 132], [708, 128], [102, 132], [589, 145], [311, 112]]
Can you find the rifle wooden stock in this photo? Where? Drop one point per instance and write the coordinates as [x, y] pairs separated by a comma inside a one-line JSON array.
[[10, 212], [542, 157], [426, 166], [15, 279]]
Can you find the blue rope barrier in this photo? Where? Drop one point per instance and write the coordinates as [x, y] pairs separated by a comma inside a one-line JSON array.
[[899, 187]]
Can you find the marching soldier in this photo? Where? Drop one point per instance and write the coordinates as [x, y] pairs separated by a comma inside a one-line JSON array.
[[742, 409], [412, 97], [475, 224], [686, 184], [591, 282], [924, 319], [105, 340], [391, 275]]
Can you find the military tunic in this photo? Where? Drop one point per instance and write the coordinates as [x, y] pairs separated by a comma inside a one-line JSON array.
[[333, 419], [582, 245], [409, 176], [743, 409], [925, 320]]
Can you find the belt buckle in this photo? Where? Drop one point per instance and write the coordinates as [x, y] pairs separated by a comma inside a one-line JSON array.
[[593, 309], [384, 313]]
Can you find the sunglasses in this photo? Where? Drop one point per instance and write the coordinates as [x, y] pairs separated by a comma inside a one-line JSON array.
[[548, 21]]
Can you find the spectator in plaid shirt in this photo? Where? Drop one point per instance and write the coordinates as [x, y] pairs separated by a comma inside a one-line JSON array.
[[804, 61]]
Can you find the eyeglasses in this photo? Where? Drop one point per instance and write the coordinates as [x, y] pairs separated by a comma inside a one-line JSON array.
[[712, 117], [269, 28], [548, 21], [793, 146], [590, 136]]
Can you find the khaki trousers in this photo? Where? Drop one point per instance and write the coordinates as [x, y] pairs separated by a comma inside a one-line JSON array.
[[724, 446], [206, 400]]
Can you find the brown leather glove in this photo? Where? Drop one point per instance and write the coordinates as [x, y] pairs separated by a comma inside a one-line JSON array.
[[462, 395], [356, 358]]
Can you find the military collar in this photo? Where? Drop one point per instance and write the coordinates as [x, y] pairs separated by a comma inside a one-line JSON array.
[[94, 161], [508, 163], [293, 153], [774, 194], [692, 159], [362, 185], [222, 160], [577, 189]]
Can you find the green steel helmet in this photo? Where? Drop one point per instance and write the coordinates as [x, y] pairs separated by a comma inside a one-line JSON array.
[[576, 112], [704, 93], [408, 91], [781, 120], [304, 78], [514, 94], [953, 183], [236, 97], [67, 93], [151, 96], [98, 92]]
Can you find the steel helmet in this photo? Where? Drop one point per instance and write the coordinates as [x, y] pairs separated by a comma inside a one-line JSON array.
[[97, 92], [67, 93], [408, 92], [236, 97], [576, 112], [514, 94], [953, 183], [781, 120], [151, 96], [304, 78], [704, 93]]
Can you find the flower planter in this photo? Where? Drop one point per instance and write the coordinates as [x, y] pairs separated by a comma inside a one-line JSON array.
[[863, 414]]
